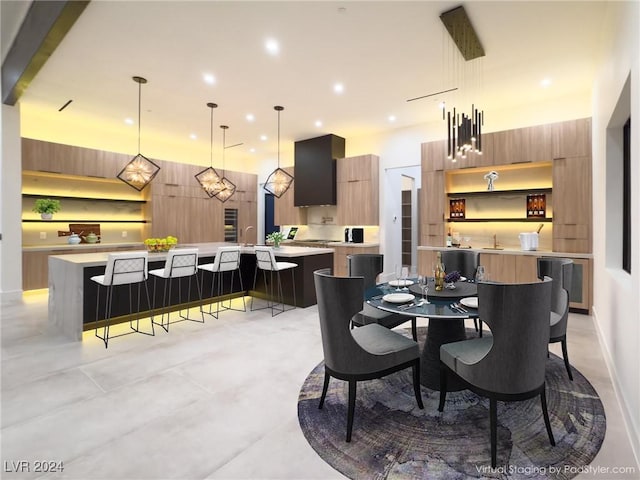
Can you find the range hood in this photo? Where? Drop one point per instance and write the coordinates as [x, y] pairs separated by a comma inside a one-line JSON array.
[[315, 170]]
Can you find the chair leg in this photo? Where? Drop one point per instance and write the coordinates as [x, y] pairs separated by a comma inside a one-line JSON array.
[[443, 386], [545, 413], [415, 369], [351, 409], [493, 421], [325, 387], [566, 357], [475, 323], [414, 329], [479, 327], [255, 276]]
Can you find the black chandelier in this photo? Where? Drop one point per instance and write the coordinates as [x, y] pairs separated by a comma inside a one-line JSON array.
[[229, 186], [209, 179], [139, 172], [279, 181]]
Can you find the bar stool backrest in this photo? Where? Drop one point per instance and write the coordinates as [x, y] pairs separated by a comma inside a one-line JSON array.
[[126, 267], [265, 258], [227, 259], [181, 262]]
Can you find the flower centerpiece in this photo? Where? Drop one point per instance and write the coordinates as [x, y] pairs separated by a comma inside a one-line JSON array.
[[161, 244], [46, 207], [275, 238]]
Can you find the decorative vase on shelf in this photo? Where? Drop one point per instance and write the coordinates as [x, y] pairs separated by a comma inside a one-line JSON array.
[[46, 216]]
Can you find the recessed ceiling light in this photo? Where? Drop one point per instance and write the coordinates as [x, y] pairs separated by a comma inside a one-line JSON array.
[[209, 78], [318, 123], [193, 136], [272, 46], [338, 88], [263, 138], [250, 117], [545, 82], [392, 118], [128, 121]]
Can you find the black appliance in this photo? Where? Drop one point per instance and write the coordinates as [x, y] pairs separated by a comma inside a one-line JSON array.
[[354, 235], [315, 170]]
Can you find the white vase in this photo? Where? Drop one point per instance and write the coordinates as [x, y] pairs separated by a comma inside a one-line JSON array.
[[46, 216]]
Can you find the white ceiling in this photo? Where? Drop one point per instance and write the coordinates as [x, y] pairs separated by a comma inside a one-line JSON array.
[[383, 52]]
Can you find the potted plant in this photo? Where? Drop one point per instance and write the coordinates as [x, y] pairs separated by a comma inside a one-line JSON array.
[[46, 207], [275, 238]]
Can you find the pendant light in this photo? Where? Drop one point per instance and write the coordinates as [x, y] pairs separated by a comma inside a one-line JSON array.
[[279, 181], [209, 179], [229, 186], [139, 172]]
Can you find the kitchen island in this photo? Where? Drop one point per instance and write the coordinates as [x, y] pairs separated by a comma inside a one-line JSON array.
[[72, 293]]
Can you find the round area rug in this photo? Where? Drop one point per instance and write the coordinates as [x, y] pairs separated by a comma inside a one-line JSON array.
[[392, 438]]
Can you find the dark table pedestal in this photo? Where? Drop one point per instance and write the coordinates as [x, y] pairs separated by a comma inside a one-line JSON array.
[[440, 331]]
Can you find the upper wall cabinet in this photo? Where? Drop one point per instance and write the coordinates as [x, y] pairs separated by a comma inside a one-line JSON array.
[[572, 138], [50, 157], [433, 156], [285, 213], [522, 145], [358, 190]]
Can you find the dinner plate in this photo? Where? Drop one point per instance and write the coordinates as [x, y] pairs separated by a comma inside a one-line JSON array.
[[398, 297], [462, 279], [400, 283], [471, 302]]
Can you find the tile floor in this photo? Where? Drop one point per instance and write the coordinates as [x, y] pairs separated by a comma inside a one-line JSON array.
[[212, 401]]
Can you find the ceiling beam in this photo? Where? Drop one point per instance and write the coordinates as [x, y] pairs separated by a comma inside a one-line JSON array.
[[43, 28]]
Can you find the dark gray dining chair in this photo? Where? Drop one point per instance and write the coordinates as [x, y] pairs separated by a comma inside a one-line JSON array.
[[353, 355], [369, 266], [561, 271], [466, 263], [509, 365]]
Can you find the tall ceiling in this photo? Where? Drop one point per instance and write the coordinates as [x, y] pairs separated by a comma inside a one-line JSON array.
[[383, 53]]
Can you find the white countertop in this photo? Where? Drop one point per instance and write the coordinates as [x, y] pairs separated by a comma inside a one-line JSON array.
[[507, 251], [204, 249], [80, 246]]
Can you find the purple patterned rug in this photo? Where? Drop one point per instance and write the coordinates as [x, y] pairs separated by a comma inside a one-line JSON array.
[[394, 439]]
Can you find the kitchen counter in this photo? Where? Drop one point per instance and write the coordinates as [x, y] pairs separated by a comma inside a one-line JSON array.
[[512, 251], [81, 246], [72, 293]]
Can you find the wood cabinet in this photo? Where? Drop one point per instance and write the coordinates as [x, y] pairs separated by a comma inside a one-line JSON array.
[[572, 211], [357, 190], [432, 208], [572, 138], [285, 213], [498, 267], [523, 145], [433, 156], [340, 267], [44, 156]]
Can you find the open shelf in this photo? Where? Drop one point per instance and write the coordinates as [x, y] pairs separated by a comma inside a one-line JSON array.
[[75, 220], [71, 197], [477, 220], [525, 191]]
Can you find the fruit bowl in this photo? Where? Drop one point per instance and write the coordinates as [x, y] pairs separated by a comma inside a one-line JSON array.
[[160, 244]]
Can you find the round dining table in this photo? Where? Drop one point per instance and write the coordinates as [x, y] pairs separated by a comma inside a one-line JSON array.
[[446, 319]]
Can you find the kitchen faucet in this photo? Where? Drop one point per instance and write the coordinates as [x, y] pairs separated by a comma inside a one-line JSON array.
[[495, 241], [245, 235]]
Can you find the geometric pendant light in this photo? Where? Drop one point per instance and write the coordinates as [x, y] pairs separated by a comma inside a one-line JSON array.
[[229, 186], [139, 172], [279, 181], [209, 179]]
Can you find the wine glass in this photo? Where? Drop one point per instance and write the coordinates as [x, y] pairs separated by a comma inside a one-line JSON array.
[[480, 274], [405, 277], [398, 274], [423, 281]]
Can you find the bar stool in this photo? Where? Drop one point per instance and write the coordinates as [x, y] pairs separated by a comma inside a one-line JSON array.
[[227, 260], [180, 262], [122, 269], [266, 261]]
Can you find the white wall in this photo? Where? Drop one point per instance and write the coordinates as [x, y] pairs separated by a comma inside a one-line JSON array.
[[10, 196], [616, 304]]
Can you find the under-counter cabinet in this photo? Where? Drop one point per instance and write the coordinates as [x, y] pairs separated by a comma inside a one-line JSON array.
[[357, 190], [340, 253]]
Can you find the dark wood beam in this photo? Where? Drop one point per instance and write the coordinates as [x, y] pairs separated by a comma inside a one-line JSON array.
[[43, 28]]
